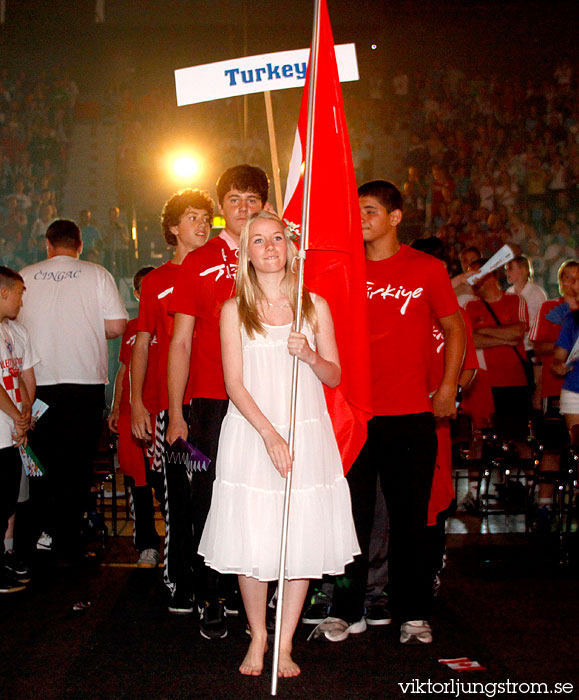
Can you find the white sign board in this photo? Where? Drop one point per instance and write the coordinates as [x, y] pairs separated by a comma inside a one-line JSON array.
[[242, 76]]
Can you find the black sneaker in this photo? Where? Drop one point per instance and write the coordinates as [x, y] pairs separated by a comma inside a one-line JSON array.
[[233, 604], [317, 610], [377, 613], [181, 604], [9, 584], [213, 619], [16, 566], [269, 621]]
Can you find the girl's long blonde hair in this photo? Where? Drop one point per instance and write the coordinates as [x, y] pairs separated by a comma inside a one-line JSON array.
[[249, 292]]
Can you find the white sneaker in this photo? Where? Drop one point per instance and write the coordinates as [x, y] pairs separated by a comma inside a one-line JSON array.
[[336, 630], [415, 632], [44, 542], [149, 559]]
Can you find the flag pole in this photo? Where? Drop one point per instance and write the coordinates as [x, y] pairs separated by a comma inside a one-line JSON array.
[[304, 238], [273, 151]]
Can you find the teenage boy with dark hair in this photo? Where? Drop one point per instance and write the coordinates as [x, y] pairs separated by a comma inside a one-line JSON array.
[[206, 281], [133, 462], [407, 291], [17, 360], [186, 223]]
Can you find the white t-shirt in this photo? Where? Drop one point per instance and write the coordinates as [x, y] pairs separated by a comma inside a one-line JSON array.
[[66, 303], [16, 355], [534, 295]]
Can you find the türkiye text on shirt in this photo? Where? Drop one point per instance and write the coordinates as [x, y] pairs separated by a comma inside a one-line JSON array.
[[395, 293]]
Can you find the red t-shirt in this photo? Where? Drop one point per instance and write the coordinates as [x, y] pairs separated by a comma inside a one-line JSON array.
[[404, 292], [155, 319], [149, 387], [503, 365], [206, 280], [546, 331]]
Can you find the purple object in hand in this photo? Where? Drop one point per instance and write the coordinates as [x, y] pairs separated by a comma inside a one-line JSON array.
[[182, 452]]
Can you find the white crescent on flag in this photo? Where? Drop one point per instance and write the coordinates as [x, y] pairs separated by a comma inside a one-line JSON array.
[[294, 172]]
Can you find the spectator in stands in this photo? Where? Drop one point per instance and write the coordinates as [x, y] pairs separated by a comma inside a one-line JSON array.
[[415, 188], [499, 322], [23, 200], [91, 237], [560, 250], [486, 191], [565, 364], [546, 328], [48, 196], [537, 179], [117, 244], [15, 225], [506, 191], [557, 172], [461, 287], [440, 181], [39, 227], [497, 233], [5, 173], [520, 277]]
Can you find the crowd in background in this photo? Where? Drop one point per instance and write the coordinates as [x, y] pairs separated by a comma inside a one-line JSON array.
[[488, 160], [494, 162], [36, 123]]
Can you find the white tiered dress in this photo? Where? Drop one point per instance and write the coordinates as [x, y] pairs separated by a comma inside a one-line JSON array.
[[242, 533]]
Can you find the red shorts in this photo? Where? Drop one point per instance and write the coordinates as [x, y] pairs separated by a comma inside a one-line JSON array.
[[130, 452]]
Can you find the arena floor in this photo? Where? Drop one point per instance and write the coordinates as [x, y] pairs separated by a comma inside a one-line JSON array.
[[506, 602]]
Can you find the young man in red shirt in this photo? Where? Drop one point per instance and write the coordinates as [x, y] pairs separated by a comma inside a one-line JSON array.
[[133, 462], [205, 282], [186, 222], [499, 322], [407, 291]]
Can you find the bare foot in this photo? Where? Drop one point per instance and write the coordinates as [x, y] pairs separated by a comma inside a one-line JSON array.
[[287, 667], [252, 664]]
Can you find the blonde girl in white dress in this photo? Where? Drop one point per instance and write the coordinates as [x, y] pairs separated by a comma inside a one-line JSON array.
[[242, 534]]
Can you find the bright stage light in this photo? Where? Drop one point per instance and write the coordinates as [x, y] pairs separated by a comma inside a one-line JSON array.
[[185, 167]]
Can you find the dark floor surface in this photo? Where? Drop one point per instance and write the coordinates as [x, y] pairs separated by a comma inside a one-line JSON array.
[[505, 602]]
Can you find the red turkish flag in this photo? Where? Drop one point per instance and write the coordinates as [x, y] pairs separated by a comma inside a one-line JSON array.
[[335, 266]]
